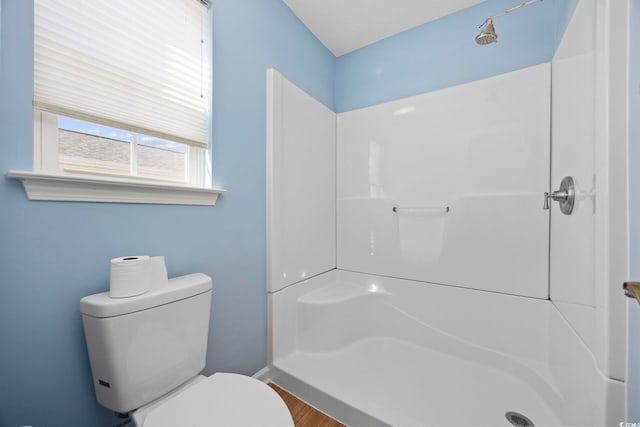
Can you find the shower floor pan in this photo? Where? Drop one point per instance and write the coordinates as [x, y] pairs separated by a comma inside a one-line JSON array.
[[445, 390], [405, 353]]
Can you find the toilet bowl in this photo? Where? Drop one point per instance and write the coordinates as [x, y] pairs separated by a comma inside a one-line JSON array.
[[147, 353], [219, 400]]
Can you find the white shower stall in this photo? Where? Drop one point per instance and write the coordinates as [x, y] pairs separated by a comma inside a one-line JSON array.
[[414, 276]]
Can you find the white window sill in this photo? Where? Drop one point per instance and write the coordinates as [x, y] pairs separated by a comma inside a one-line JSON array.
[[91, 188]]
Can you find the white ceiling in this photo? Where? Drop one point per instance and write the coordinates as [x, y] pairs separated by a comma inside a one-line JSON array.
[[347, 25]]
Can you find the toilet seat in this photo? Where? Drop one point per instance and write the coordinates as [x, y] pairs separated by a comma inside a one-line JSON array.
[[228, 400]]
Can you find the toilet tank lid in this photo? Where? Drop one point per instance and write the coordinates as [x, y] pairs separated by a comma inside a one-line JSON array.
[[102, 305]]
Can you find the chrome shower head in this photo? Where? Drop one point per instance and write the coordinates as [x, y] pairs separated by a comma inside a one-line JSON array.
[[487, 34]]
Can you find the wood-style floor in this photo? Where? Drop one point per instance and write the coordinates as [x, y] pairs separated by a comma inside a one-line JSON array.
[[303, 414]]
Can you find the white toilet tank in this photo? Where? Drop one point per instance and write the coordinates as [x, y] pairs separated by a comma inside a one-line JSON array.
[[142, 347]]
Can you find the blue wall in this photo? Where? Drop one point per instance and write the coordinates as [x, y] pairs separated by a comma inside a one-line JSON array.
[[52, 254], [633, 375], [444, 53]]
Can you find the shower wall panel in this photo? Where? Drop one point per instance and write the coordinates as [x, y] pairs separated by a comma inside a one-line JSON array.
[[573, 251], [589, 258], [447, 187], [301, 182]]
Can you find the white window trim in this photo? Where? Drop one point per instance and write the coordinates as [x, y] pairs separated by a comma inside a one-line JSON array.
[[69, 187], [47, 182]]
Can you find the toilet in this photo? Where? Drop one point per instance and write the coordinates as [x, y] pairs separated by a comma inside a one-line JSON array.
[[147, 353]]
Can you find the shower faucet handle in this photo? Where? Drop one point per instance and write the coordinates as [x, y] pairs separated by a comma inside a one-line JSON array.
[[556, 196], [565, 196]]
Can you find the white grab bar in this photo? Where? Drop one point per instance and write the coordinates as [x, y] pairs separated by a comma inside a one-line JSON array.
[[444, 209]]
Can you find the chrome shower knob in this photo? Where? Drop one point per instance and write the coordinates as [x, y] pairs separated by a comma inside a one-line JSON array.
[[566, 196]]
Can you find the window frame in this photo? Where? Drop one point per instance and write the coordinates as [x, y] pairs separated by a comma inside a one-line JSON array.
[[47, 182], [45, 155]]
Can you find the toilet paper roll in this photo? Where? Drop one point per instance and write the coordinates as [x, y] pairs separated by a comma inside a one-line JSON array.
[[157, 273], [135, 275]]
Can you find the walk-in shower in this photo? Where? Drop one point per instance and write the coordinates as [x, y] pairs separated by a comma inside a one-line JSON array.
[[419, 273]]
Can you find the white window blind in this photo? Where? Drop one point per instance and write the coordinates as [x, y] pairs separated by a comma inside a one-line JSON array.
[[139, 65]]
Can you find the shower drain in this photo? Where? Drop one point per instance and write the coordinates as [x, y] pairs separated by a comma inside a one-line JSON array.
[[518, 420]]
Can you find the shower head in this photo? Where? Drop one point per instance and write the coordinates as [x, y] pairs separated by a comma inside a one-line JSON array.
[[487, 34]]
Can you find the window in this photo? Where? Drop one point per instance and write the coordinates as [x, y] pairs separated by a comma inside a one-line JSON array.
[[86, 146], [121, 91], [77, 146]]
